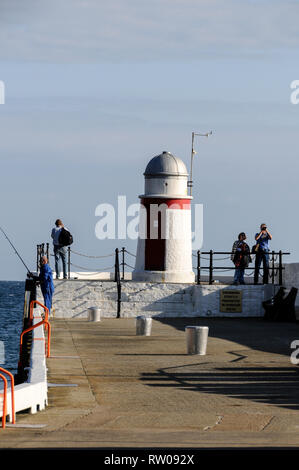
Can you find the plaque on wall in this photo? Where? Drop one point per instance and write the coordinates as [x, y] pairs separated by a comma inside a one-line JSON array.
[[231, 301]]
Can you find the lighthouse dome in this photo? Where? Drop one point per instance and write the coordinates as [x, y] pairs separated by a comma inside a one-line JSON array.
[[165, 164]]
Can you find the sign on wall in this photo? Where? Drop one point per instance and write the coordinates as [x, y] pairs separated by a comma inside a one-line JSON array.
[[231, 301]]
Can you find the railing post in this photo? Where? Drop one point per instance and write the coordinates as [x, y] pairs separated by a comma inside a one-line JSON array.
[[4, 406], [69, 262], [273, 267], [117, 280], [123, 262], [198, 267], [211, 268], [12, 393], [37, 257], [280, 268], [116, 265]]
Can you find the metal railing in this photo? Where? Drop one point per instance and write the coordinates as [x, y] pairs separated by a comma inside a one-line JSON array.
[[273, 268], [4, 404], [47, 345], [43, 249], [46, 310], [120, 262]]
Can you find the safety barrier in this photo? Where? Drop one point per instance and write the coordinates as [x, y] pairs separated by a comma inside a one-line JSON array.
[[211, 267], [120, 263], [48, 327], [4, 405], [36, 302], [30, 394], [70, 264]]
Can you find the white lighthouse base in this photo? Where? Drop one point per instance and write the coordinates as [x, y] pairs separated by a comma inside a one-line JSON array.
[[185, 277]]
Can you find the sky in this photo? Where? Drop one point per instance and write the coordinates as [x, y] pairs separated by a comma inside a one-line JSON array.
[[95, 89]]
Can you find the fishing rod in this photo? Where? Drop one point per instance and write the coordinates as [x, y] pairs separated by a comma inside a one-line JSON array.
[[16, 252]]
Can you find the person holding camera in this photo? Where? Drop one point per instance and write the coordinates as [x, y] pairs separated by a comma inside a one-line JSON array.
[[241, 258], [262, 253]]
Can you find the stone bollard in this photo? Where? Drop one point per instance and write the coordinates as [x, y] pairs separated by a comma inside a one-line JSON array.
[[197, 339], [143, 326], [94, 314]]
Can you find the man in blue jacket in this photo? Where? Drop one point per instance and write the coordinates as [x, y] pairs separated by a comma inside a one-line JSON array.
[[46, 282], [262, 253]]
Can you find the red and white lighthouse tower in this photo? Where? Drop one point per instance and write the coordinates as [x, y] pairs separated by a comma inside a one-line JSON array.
[[164, 250]]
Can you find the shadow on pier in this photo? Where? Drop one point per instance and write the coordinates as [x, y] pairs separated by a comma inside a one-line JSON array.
[[276, 386]]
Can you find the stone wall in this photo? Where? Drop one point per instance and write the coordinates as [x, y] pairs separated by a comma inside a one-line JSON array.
[[72, 298]]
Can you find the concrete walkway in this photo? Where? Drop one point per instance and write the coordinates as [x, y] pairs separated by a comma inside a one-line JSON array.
[[111, 388]]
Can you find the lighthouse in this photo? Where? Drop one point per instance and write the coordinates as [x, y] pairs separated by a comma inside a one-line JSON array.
[[164, 248]]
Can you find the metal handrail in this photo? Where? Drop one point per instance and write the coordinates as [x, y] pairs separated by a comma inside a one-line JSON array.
[[47, 349], [12, 386], [122, 263], [211, 266], [41, 305], [4, 406]]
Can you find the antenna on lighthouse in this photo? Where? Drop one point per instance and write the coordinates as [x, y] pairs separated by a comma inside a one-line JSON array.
[[190, 182]]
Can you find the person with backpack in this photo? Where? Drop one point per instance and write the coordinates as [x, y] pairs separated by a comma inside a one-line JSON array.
[[240, 257], [61, 239]]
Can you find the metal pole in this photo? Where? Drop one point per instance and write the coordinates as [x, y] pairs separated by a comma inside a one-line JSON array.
[[117, 280], [190, 182], [37, 257], [198, 267], [123, 262], [280, 268], [69, 262], [211, 268], [116, 270], [273, 266]]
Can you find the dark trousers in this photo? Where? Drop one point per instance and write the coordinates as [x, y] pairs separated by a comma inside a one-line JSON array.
[[261, 256]]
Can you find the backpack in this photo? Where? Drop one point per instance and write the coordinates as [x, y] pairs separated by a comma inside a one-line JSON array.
[[242, 258], [65, 237]]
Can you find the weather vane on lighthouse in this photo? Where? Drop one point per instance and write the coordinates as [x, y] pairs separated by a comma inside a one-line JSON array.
[[190, 182]]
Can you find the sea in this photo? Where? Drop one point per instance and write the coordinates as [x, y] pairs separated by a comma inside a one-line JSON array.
[[11, 323]]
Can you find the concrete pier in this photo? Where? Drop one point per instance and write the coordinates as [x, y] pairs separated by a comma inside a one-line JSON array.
[[111, 388]]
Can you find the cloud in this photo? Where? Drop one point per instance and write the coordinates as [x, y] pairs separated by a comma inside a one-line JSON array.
[[81, 31]]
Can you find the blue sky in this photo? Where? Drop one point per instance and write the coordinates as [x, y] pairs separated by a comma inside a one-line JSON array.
[[95, 89]]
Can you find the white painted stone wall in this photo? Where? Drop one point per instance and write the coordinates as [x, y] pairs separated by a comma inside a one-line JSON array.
[[33, 394], [72, 298]]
